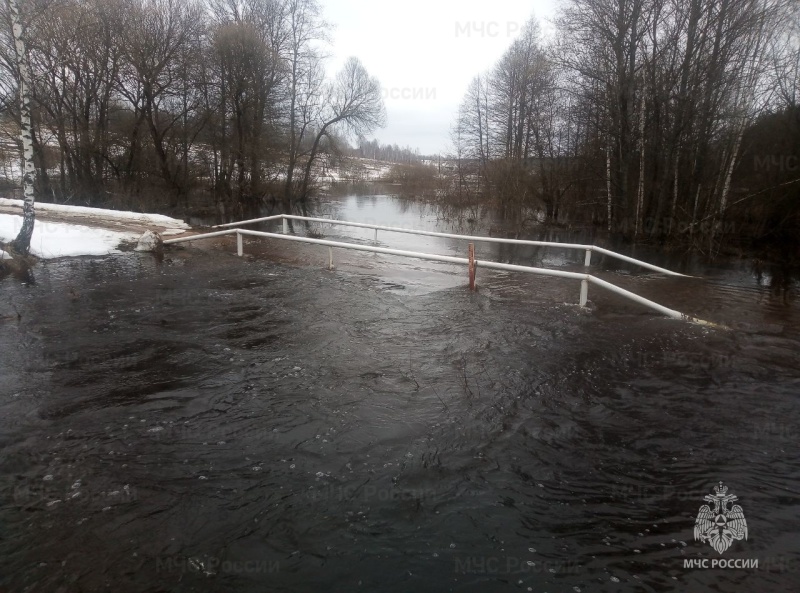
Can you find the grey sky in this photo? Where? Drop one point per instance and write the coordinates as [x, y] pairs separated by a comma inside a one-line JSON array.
[[425, 52]]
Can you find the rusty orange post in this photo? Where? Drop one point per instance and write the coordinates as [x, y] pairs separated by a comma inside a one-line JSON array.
[[472, 266]]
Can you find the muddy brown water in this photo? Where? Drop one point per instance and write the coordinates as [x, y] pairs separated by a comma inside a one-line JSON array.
[[210, 423]]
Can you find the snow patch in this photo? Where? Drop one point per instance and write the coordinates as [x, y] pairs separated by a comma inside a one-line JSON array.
[[147, 219], [4, 255], [56, 239]]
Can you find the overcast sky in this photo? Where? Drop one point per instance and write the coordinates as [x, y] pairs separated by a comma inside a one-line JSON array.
[[425, 52]]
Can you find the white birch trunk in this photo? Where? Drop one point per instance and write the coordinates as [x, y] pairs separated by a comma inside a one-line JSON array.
[[22, 243], [640, 193], [608, 183], [723, 198], [674, 192], [694, 210]]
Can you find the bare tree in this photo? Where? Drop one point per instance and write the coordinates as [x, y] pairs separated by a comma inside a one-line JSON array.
[[353, 103], [248, 78], [22, 242], [305, 80], [76, 59], [638, 112], [785, 50], [156, 35]]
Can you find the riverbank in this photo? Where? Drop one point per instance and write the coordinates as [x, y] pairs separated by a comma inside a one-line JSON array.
[[69, 231]]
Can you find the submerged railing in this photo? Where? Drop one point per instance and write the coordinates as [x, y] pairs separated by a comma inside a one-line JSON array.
[[476, 238], [585, 279]]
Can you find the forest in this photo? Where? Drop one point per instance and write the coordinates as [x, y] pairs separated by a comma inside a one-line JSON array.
[[666, 120], [133, 99], [673, 121]]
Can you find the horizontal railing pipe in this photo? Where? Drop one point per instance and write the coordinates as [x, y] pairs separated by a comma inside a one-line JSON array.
[[357, 247], [477, 238], [530, 269], [638, 262], [253, 221], [584, 278], [635, 297], [392, 229], [653, 305], [201, 236]]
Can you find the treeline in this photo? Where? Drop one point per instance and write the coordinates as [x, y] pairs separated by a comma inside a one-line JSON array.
[[390, 153], [660, 119], [137, 98]]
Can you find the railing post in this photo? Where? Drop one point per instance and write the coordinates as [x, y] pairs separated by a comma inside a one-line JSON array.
[[588, 261], [472, 266], [330, 258], [285, 227], [376, 235], [584, 292], [239, 244]]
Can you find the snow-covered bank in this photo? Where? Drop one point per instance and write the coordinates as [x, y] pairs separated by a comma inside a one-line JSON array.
[[56, 239], [171, 226]]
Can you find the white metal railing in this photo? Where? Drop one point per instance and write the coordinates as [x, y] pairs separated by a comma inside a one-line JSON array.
[[585, 279], [476, 238]]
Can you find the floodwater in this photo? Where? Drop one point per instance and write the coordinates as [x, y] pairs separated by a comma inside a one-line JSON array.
[[204, 422]]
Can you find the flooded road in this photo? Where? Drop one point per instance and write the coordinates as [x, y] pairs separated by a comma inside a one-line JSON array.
[[211, 423]]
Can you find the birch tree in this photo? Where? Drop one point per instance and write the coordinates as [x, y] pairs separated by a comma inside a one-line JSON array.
[[22, 243]]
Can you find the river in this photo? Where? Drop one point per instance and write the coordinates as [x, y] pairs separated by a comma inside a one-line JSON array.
[[200, 422]]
